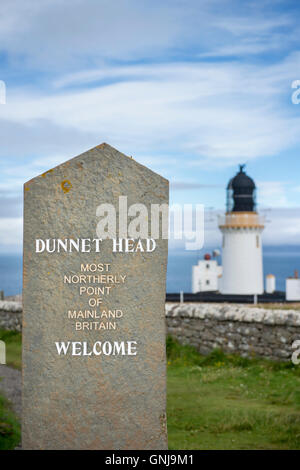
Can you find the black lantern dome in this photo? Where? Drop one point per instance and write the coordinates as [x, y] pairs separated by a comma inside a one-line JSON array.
[[241, 193]]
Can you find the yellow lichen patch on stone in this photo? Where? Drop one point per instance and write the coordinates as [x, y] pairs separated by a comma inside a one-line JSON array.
[[66, 185], [46, 173]]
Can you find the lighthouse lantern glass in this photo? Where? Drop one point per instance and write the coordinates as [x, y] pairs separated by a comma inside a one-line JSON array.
[[254, 195], [229, 200]]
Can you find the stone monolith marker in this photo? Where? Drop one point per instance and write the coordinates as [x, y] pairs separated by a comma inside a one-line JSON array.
[[94, 367]]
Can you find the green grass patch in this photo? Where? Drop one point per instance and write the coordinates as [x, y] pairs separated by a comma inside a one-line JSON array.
[[13, 341], [218, 401], [10, 432], [228, 402]]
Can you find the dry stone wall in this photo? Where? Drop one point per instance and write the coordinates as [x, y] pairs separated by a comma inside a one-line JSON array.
[[234, 328], [10, 315]]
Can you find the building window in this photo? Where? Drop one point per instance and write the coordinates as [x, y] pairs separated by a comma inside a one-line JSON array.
[[207, 282], [207, 266], [257, 241], [223, 241]]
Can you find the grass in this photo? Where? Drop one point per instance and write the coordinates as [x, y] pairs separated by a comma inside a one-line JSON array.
[[13, 341], [10, 433], [277, 306], [214, 402], [267, 305], [228, 402]]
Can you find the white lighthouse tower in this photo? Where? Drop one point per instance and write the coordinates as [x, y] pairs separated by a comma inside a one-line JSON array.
[[242, 249]]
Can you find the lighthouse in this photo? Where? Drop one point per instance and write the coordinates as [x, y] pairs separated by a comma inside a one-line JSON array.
[[241, 228]]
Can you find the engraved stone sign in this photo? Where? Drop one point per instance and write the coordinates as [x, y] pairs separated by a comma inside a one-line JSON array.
[[94, 368]]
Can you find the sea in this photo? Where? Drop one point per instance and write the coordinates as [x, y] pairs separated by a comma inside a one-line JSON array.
[[281, 261]]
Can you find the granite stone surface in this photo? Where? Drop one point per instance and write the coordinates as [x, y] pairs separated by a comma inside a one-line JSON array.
[[92, 401]]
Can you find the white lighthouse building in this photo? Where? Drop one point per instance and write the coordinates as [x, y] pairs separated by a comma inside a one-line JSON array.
[[206, 275], [241, 247]]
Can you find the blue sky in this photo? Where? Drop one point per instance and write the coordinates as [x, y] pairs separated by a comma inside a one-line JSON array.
[[189, 88]]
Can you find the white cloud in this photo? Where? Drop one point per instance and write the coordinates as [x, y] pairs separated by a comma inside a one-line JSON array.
[[64, 34], [273, 193], [211, 112], [186, 185], [282, 227], [107, 71], [217, 112], [11, 233]]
